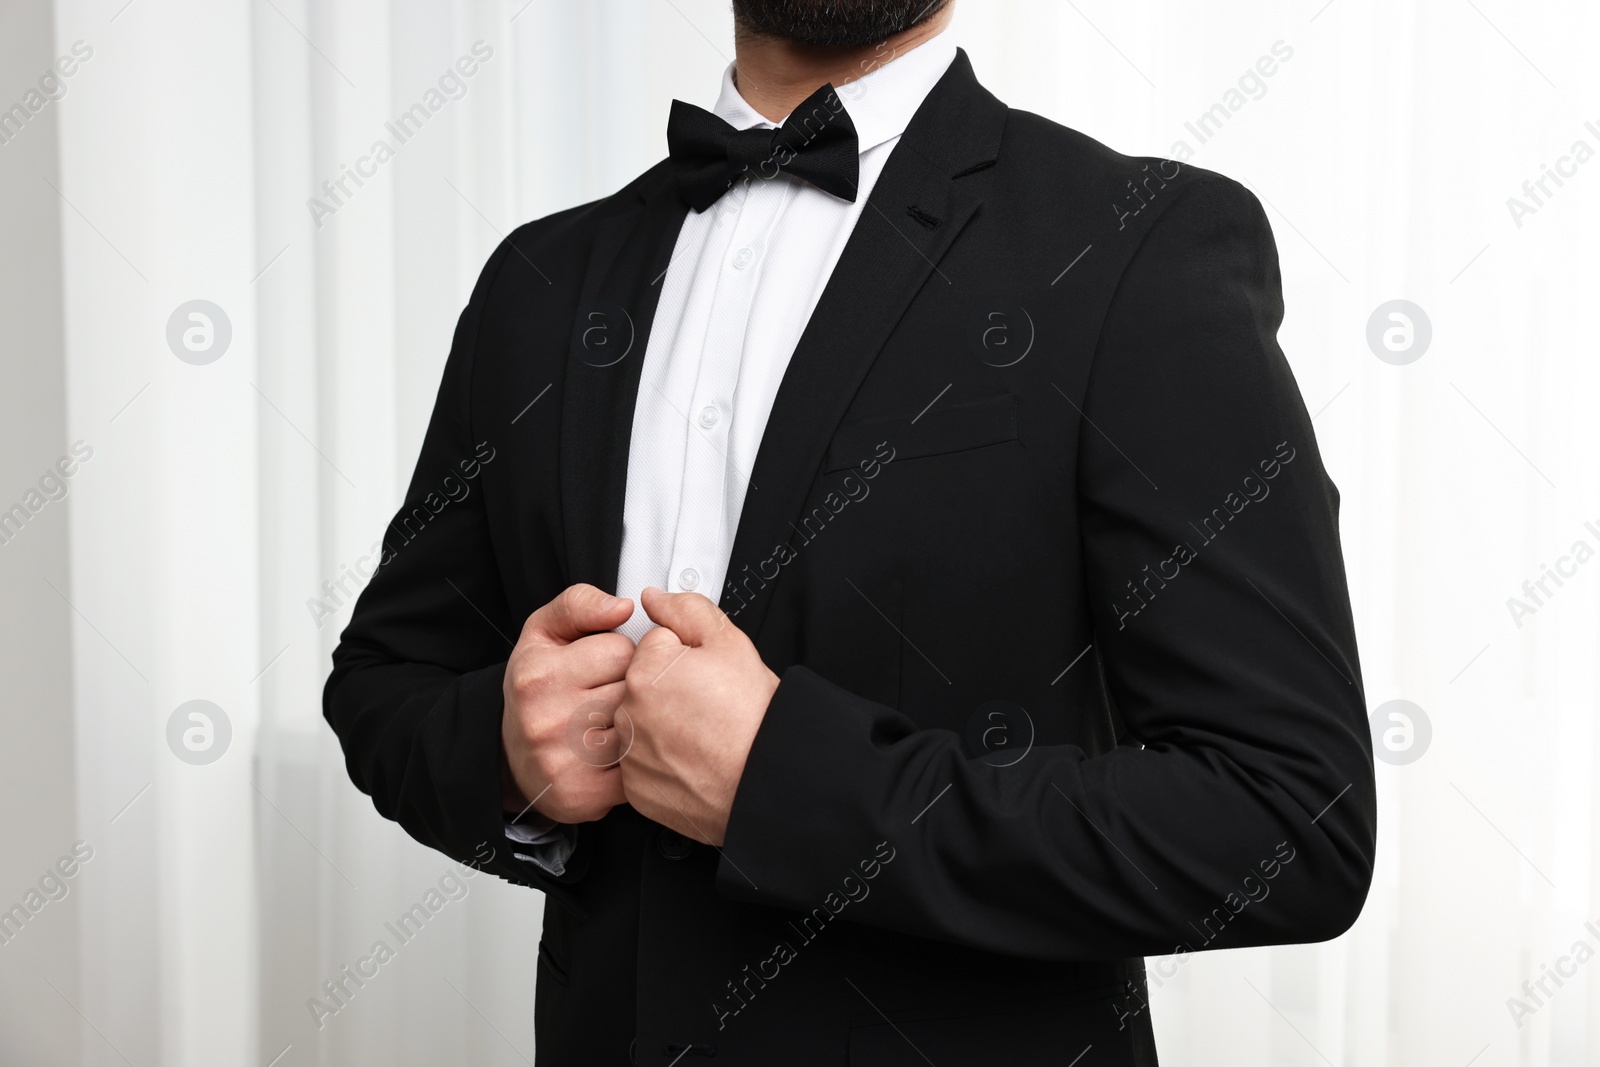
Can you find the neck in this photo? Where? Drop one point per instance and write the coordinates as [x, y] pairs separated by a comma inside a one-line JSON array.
[[774, 75]]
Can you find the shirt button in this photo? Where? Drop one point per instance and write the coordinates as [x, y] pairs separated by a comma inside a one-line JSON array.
[[709, 416], [688, 577], [743, 258]]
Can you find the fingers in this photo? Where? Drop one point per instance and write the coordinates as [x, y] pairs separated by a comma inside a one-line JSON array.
[[595, 735], [658, 638], [538, 672], [610, 695], [584, 794], [577, 610], [609, 785], [657, 650], [693, 617], [594, 661], [573, 777]]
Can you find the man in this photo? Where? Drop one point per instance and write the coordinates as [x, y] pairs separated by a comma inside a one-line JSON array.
[[1033, 654]]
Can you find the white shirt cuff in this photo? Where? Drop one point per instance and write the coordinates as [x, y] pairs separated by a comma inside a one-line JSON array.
[[549, 844]]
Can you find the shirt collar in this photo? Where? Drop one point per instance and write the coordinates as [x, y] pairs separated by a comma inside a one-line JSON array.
[[880, 103]]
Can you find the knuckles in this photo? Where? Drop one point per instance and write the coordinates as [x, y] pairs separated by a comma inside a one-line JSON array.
[[641, 676], [535, 737], [531, 676], [574, 598], [617, 648]]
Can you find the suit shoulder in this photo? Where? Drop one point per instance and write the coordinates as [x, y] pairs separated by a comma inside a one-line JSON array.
[[579, 219], [1094, 170], [565, 236], [573, 227]]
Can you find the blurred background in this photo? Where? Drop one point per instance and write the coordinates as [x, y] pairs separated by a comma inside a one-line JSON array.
[[217, 374]]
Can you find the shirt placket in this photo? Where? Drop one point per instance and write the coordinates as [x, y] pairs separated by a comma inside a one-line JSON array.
[[700, 546]]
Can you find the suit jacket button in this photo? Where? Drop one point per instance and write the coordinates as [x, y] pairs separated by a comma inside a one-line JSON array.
[[674, 845]]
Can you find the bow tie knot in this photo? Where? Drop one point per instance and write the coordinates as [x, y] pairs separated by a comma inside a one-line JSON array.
[[816, 143], [751, 149]]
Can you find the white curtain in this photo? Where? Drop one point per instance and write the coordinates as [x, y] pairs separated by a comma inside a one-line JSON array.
[[187, 161]]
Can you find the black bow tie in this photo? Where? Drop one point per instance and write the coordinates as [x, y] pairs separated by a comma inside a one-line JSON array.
[[817, 143]]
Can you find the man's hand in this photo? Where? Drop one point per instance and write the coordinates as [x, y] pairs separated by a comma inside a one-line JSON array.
[[562, 687], [696, 694]]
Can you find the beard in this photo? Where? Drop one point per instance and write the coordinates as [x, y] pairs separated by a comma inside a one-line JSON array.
[[832, 23]]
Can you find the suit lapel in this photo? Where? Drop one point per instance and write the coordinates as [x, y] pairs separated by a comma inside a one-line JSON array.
[[606, 350], [892, 253]]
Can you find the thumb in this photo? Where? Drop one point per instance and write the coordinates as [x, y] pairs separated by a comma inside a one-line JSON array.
[[576, 611], [693, 617]]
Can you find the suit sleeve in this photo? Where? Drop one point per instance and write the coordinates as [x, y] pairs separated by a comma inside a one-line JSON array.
[[1244, 814], [415, 694]]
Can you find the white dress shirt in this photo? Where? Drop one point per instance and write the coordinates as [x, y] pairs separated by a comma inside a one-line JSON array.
[[744, 277]]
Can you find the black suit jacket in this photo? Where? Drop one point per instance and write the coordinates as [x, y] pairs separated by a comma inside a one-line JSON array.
[[1038, 540]]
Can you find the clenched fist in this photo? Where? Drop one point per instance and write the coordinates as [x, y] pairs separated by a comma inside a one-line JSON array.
[[562, 686], [696, 694]]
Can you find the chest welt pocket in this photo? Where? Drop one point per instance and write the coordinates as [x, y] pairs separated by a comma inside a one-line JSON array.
[[957, 428]]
